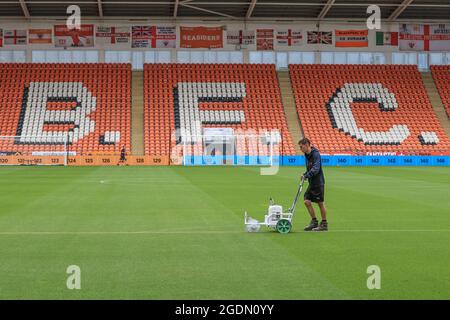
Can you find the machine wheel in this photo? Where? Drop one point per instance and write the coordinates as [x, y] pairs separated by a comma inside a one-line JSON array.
[[284, 226]]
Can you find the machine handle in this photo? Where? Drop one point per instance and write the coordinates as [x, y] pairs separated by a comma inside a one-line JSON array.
[[299, 191]]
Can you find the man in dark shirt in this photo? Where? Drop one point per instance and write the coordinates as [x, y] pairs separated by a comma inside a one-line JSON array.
[[123, 158], [316, 191]]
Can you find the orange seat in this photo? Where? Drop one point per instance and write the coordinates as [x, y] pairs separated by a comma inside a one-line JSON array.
[[109, 83], [315, 85]]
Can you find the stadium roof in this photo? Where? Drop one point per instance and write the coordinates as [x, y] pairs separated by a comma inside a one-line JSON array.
[[401, 10]]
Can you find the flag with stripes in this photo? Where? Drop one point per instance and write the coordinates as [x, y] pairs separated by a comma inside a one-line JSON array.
[[244, 37], [163, 36], [289, 37], [140, 36], [412, 37], [112, 35], [15, 37], [440, 37], [320, 37], [425, 37], [40, 36], [352, 38], [65, 37], [387, 38], [264, 39]]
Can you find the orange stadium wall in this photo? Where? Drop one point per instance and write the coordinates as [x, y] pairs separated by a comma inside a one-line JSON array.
[[88, 160], [115, 160]]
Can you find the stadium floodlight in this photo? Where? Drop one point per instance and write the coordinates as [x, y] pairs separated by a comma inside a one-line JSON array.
[[34, 150]]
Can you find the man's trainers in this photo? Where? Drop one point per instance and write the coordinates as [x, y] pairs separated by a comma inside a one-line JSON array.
[[313, 224], [322, 227]]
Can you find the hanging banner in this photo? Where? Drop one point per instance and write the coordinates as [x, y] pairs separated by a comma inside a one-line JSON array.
[[65, 37], [163, 37], [1, 37], [420, 37], [201, 37], [40, 36], [112, 35], [264, 39], [440, 37], [387, 38], [140, 36], [244, 37], [15, 37], [352, 38], [320, 37], [289, 37]]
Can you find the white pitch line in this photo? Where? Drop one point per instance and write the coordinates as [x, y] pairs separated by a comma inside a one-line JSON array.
[[193, 232]]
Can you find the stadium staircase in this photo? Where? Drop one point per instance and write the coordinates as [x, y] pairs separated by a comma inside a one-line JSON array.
[[290, 110], [436, 101], [137, 113]]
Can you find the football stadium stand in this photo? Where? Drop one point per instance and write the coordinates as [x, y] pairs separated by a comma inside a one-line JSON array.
[[86, 106], [441, 76], [186, 98], [361, 109]]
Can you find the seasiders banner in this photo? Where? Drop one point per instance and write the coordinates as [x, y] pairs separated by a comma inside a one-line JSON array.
[[201, 37], [425, 37], [352, 38], [65, 37]]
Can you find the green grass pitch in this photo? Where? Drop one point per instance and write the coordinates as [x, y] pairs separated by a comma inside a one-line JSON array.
[[177, 233]]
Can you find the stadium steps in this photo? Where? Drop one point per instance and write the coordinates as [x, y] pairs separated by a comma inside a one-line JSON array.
[[436, 101], [290, 109], [137, 113]]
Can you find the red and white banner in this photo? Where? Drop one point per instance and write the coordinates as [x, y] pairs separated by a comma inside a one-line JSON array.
[[140, 36], [201, 37], [65, 37], [40, 36], [289, 37], [112, 35], [237, 37], [352, 38], [264, 39], [163, 36], [320, 37], [425, 37], [15, 37]]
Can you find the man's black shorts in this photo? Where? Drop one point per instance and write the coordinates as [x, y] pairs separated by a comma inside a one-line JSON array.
[[315, 194]]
